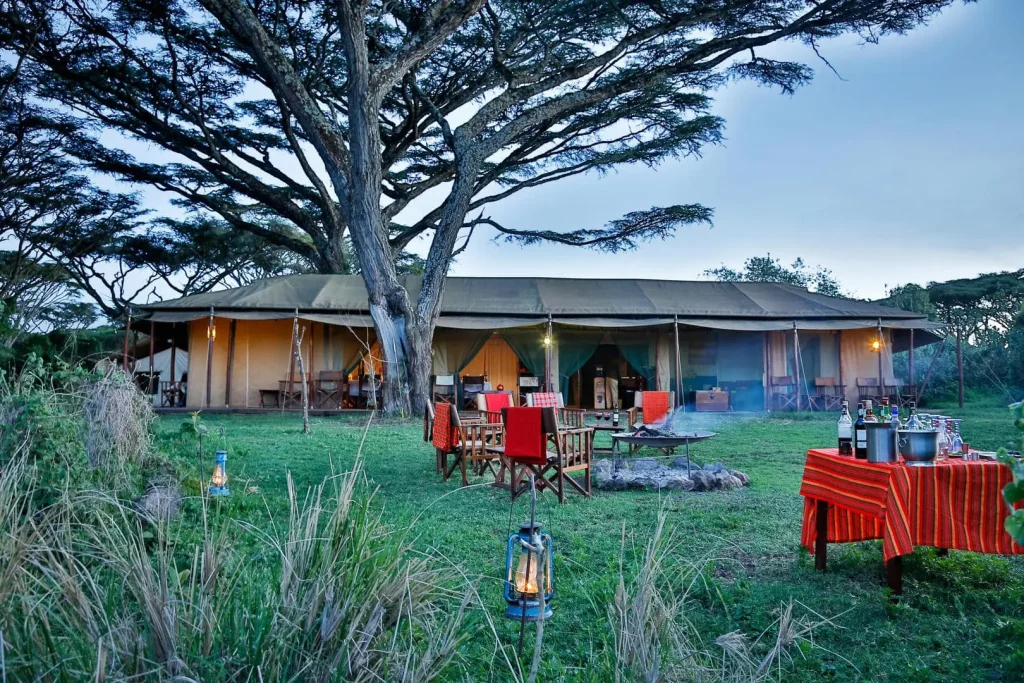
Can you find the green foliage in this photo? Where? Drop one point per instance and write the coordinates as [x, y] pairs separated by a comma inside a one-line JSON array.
[[960, 613], [768, 269], [1013, 493]]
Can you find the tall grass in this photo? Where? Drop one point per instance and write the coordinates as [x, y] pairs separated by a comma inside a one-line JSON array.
[[654, 641]]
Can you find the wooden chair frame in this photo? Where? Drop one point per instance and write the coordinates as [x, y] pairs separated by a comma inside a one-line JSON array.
[[573, 452], [868, 389], [784, 400], [329, 387], [827, 396], [472, 445]]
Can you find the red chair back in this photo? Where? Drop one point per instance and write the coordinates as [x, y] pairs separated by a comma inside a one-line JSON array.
[[443, 422], [655, 406], [495, 403], [524, 435], [545, 399]]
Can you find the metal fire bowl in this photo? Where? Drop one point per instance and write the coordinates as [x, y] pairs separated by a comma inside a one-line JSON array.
[[662, 441]]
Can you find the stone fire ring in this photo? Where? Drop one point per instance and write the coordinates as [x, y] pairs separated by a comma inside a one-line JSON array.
[[647, 474]]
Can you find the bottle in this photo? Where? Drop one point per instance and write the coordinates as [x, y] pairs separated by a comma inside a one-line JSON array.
[[914, 422], [860, 432], [883, 411], [845, 431], [894, 420], [615, 416], [869, 415]]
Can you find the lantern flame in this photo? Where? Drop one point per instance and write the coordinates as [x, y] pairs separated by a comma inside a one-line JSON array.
[[528, 583], [218, 479], [876, 345]]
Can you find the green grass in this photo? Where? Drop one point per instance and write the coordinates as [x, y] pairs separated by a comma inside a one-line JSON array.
[[962, 615]]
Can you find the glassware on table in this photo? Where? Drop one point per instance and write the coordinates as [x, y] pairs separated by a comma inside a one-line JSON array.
[[940, 424], [957, 444]]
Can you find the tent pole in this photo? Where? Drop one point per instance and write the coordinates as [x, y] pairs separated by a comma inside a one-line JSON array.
[[960, 368], [839, 347], [209, 359], [679, 367], [152, 350], [172, 378], [291, 361], [547, 357], [796, 364], [913, 382], [231, 362], [127, 333], [881, 352], [767, 371]]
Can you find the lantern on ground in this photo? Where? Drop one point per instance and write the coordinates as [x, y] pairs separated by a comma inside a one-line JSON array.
[[219, 478], [528, 571]]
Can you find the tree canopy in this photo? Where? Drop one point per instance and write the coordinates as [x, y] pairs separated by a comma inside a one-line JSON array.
[[769, 269], [310, 124]]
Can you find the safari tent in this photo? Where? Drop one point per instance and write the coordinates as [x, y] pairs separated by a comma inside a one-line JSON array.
[[683, 336]]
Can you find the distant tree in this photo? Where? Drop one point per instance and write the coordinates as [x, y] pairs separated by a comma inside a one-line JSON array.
[[386, 121], [769, 269], [910, 297]]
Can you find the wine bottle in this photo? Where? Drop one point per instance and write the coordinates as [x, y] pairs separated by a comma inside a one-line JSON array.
[[845, 431], [860, 432]]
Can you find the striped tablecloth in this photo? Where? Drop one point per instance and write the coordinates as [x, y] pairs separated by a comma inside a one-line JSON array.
[[951, 504]]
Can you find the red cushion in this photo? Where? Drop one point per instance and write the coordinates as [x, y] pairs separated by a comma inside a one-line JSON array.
[[655, 406], [524, 436]]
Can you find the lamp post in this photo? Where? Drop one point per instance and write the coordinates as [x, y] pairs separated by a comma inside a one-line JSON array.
[[219, 478]]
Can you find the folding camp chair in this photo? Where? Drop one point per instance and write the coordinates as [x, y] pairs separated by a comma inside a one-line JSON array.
[[529, 435], [491, 403], [468, 441], [784, 394], [572, 417], [328, 388], [868, 389], [827, 396]]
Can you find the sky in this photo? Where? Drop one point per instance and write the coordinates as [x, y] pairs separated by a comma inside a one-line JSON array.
[[908, 169]]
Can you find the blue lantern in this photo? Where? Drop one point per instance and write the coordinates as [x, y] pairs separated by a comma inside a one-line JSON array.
[[529, 569], [219, 479]]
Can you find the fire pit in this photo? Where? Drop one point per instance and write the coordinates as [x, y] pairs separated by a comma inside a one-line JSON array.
[[661, 439]]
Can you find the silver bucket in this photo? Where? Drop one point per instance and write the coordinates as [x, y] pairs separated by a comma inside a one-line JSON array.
[[881, 442], [919, 445]]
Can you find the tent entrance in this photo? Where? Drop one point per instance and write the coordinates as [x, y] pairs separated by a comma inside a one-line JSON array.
[[606, 363]]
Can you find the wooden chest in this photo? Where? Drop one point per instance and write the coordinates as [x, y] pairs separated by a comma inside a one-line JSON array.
[[712, 401]]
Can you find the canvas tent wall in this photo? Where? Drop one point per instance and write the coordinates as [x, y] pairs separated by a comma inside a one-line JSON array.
[[161, 362]]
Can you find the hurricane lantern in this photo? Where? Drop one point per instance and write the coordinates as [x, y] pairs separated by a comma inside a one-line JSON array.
[[529, 568], [219, 478], [876, 345], [211, 332], [547, 340]]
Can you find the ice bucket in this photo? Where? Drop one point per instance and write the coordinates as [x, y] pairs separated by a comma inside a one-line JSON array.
[[919, 445], [881, 444]]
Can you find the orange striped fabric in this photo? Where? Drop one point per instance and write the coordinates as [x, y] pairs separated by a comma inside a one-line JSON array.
[[655, 406], [952, 504]]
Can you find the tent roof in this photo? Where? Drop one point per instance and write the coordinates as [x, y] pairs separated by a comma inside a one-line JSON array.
[[508, 301]]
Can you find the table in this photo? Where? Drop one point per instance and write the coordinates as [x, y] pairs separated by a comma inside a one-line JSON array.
[[951, 504], [604, 424]]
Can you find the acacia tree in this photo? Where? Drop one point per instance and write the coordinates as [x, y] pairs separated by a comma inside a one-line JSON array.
[[380, 122], [769, 269]]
